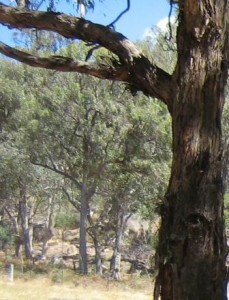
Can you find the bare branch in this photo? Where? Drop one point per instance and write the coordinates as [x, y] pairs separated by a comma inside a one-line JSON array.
[[75, 204], [90, 52], [121, 14], [58, 171]]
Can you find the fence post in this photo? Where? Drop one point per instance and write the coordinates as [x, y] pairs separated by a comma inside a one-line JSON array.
[[10, 272]]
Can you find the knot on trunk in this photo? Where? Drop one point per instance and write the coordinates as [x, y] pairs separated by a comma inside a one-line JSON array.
[[198, 225], [197, 219]]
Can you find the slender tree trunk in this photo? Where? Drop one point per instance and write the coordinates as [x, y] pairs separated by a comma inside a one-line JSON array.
[[98, 261], [95, 237], [3, 242], [24, 221], [83, 231], [18, 239], [192, 243], [116, 258], [48, 228]]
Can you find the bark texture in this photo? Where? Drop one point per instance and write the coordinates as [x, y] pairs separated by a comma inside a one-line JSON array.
[[192, 246]]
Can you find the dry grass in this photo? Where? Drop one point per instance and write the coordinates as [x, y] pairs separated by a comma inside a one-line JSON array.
[[75, 288]]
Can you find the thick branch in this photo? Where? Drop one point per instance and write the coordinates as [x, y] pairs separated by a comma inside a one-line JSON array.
[[71, 28], [66, 64], [134, 68]]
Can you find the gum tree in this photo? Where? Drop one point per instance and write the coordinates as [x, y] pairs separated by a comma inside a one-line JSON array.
[[192, 243]]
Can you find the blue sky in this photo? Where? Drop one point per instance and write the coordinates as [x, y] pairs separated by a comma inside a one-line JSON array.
[[142, 15]]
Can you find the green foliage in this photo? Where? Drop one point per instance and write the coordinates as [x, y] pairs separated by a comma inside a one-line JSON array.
[[90, 131], [161, 49], [66, 220], [58, 276], [6, 235]]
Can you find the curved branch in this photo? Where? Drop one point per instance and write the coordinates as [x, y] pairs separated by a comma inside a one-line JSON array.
[[66, 64], [58, 171], [142, 78], [69, 27], [133, 68], [76, 205]]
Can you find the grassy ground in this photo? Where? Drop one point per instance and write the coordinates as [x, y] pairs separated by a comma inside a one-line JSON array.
[[69, 286]]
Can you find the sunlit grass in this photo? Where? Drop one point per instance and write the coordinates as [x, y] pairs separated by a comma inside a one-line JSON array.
[[76, 288]]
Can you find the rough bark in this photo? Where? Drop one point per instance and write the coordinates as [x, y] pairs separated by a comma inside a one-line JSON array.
[[192, 246]]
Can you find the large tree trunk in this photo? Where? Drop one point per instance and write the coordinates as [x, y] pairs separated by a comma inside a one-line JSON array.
[[192, 244]]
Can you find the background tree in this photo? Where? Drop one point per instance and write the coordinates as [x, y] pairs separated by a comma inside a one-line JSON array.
[[54, 133], [50, 134], [25, 189]]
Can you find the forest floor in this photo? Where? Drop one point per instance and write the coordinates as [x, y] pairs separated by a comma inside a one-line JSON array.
[[68, 286]]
